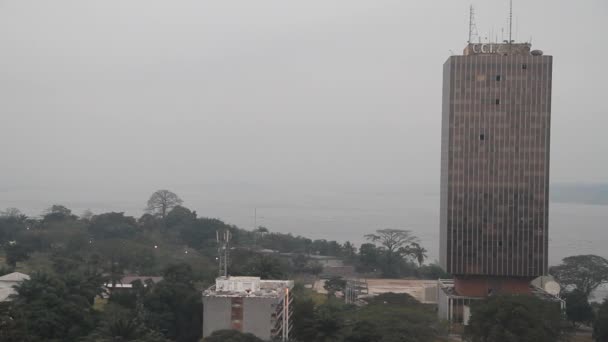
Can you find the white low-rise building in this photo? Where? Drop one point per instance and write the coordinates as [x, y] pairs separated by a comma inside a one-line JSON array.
[[7, 283]]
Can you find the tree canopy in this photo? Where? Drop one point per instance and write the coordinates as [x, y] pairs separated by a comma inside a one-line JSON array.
[[521, 318], [578, 309], [231, 336], [584, 272], [162, 201], [600, 326]]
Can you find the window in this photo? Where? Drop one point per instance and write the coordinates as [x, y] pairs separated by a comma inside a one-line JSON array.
[[497, 101], [498, 78], [482, 137], [524, 66]]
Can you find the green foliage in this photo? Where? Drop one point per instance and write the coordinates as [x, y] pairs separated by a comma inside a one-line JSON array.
[[161, 202], [58, 213], [10, 227], [16, 252], [5, 270], [231, 336], [417, 252], [124, 329], [433, 272], [333, 285], [515, 318], [266, 267], [600, 326], [389, 317], [113, 225], [174, 305], [328, 323], [584, 272], [364, 331], [304, 319], [369, 257], [48, 308], [395, 244], [399, 317], [578, 309], [180, 216]]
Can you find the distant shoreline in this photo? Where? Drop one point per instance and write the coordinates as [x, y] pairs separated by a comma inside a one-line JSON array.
[[580, 193]]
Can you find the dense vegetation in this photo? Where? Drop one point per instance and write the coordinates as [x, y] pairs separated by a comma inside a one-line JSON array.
[[515, 318], [70, 258], [386, 318]]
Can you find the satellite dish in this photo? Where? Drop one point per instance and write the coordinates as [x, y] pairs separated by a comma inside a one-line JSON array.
[[537, 52], [552, 288]]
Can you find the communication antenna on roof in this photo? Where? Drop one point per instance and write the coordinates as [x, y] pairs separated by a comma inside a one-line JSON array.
[[223, 249], [510, 21], [472, 26]]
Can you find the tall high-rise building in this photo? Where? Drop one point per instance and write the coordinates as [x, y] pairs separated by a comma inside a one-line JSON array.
[[495, 168]]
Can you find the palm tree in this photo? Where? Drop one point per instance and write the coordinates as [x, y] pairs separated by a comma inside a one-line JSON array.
[[417, 252]]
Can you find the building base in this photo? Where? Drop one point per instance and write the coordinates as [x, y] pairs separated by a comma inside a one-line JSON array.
[[482, 286], [455, 307]]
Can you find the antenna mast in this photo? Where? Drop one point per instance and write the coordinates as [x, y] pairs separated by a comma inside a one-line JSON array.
[[510, 21], [223, 248], [472, 27]]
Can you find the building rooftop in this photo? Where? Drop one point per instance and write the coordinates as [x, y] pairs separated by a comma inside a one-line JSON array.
[[248, 287], [14, 277], [8, 281], [447, 286], [503, 49]]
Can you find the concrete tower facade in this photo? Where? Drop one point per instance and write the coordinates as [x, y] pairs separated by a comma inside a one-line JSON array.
[[495, 168]]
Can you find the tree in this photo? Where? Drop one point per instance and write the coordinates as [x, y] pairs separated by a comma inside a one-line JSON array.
[[112, 225], [58, 212], [333, 285], [47, 308], [11, 212], [328, 323], [349, 251], [578, 309], [432, 271], [87, 215], [364, 331], [231, 336], [265, 267], [124, 329], [417, 252], [396, 318], [600, 326], [395, 243], [303, 319], [368, 257], [584, 272], [174, 306], [162, 201], [514, 318], [180, 216], [262, 230], [16, 252]]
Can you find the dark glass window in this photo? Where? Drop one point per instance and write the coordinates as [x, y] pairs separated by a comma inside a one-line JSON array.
[[497, 101], [498, 78], [524, 66], [482, 137]]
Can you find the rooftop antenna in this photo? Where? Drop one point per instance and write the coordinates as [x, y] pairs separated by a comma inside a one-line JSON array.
[[472, 26], [223, 248], [510, 21]]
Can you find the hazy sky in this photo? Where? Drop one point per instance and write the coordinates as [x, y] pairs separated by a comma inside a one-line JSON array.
[[111, 94]]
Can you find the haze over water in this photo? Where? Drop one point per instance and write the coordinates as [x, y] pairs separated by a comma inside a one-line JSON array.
[[333, 212]]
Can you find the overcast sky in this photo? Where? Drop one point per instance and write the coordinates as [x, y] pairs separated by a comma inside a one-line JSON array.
[[112, 94]]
